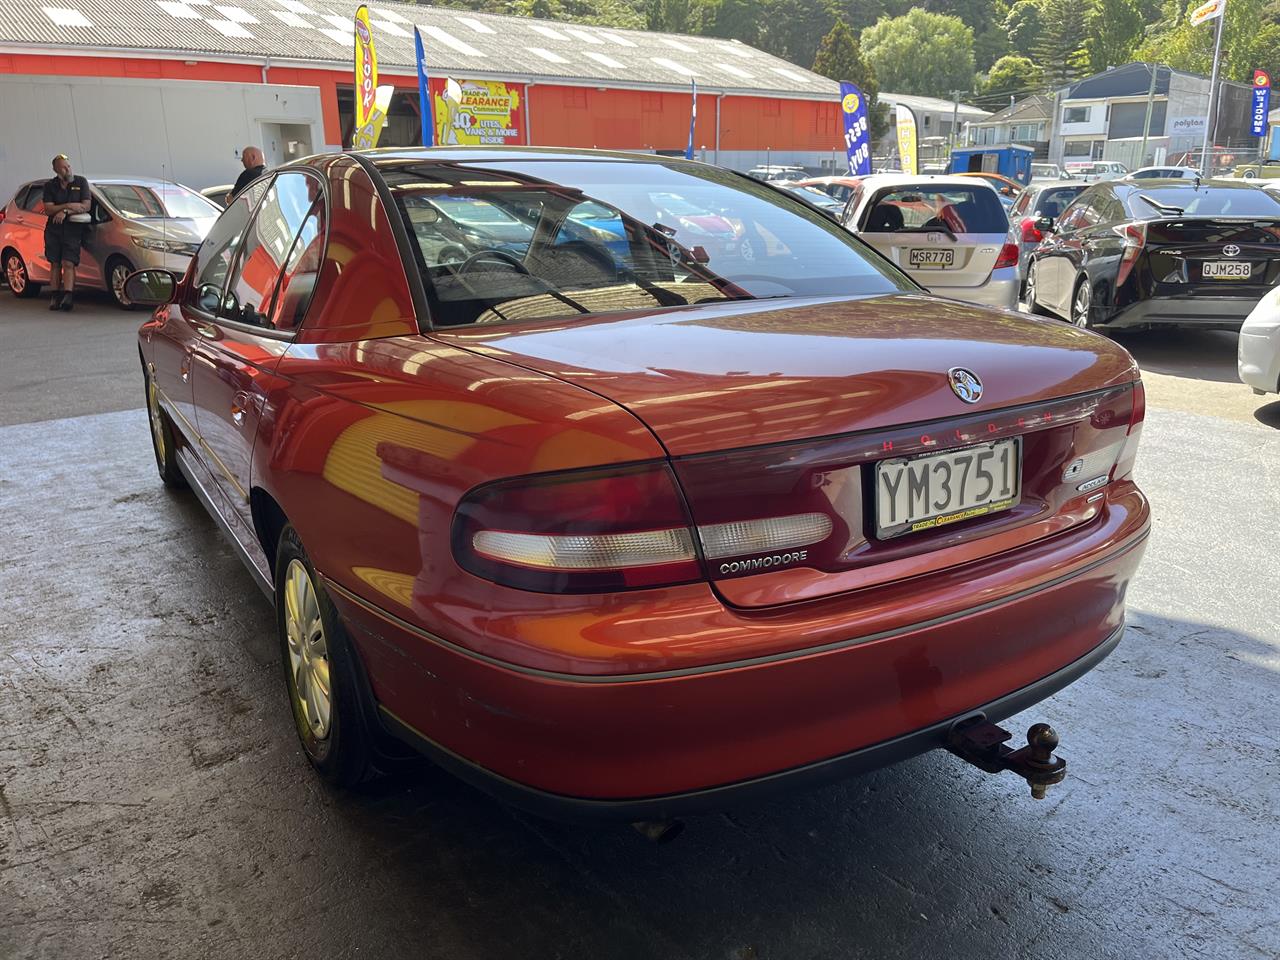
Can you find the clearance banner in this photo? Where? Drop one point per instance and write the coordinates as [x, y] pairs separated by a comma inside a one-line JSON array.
[[476, 112], [366, 68], [366, 137], [907, 140]]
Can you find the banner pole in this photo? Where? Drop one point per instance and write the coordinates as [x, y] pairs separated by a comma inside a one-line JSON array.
[[1206, 168]]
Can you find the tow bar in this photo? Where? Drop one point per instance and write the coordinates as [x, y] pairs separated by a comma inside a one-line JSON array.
[[983, 744]]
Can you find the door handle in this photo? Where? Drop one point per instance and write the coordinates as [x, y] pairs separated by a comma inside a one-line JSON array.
[[206, 330], [238, 405]]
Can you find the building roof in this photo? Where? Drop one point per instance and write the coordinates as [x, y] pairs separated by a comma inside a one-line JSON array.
[[1131, 80], [967, 111], [457, 42], [1026, 110]]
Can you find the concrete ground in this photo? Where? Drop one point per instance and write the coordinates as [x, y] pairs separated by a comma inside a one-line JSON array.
[[153, 802]]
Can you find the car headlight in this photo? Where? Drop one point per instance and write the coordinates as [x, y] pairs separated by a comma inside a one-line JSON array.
[[166, 246]]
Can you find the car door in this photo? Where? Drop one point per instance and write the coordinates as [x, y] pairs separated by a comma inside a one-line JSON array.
[[239, 345], [27, 230], [1058, 258], [188, 321]]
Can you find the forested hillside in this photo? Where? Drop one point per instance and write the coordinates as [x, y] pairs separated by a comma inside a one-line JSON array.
[[985, 50]]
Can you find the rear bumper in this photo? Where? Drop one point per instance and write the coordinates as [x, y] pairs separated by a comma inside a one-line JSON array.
[[1000, 290], [809, 776], [650, 744], [1218, 312]]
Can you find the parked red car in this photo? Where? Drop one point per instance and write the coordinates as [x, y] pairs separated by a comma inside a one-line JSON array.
[[625, 529]]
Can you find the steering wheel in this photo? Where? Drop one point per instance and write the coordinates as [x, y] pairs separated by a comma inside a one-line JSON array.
[[501, 255]]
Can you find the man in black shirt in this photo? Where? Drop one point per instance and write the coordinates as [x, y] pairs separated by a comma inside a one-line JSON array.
[[66, 205], [254, 167]]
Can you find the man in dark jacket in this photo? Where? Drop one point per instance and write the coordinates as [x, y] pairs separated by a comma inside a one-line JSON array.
[[66, 205], [254, 167]]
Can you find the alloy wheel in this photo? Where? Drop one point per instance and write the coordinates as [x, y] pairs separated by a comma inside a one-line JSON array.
[[308, 650], [119, 274], [1081, 305], [16, 274], [1029, 295]]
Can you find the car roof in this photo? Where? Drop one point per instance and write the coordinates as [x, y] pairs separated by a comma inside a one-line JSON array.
[[877, 180]]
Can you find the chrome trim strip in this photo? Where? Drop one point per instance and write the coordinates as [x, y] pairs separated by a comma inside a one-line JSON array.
[[734, 664], [206, 499]]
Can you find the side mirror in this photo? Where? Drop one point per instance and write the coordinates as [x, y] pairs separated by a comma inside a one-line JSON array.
[[151, 288], [1045, 224]]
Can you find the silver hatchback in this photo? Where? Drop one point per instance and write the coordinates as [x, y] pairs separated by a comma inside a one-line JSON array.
[[135, 222], [951, 234]]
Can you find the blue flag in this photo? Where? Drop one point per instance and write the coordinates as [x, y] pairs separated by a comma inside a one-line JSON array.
[[424, 95], [857, 129], [693, 120], [1261, 103]]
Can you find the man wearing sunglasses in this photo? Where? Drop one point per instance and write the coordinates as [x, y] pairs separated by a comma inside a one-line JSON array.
[[66, 205]]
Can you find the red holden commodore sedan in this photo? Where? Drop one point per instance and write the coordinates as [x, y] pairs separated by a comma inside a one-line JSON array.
[[614, 521]]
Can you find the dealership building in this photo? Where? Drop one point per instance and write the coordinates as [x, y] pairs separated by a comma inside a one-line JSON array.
[[176, 87]]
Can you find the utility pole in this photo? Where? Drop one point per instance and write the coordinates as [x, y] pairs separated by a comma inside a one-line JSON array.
[[1146, 124], [1206, 167], [955, 115]]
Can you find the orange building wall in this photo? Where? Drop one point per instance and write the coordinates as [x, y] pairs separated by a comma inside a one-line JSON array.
[[558, 116]]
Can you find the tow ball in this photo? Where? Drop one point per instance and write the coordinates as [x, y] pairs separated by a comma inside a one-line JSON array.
[[982, 743]]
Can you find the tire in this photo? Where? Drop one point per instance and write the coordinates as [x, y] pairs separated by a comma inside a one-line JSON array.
[[315, 651], [1029, 296], [113, 277], [1250, 174], [162, 443], [1082, 305], [15, 270]]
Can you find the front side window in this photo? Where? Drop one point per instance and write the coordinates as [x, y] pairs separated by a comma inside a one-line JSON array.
[[549, 239], [213, 260], [269, 253]]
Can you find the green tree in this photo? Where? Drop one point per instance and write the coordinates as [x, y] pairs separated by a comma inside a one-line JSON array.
[[1250, 40], [840, 58], [1022, 25], [1113, 30], [794, 28], [1011, 76], [927, 54], [1059, 48], [734, 20]]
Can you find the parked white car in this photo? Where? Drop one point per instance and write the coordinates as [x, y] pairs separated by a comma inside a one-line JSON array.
[[1258, 356], [1164, 173], [1091, 170]]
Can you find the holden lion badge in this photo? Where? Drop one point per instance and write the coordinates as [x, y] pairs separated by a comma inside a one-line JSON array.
[[965, 384]]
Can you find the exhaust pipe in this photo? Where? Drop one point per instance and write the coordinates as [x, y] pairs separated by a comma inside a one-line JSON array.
[[658, 831], [982, 744]]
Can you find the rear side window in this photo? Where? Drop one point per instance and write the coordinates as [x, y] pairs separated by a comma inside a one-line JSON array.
[[32, 198], [960, 209], [1051, 203]]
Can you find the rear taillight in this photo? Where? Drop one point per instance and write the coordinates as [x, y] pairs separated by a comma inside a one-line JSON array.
[[1029, 232], [1135, 238], [579, 532], [1123, 469], [1008, 256], [606, 530]]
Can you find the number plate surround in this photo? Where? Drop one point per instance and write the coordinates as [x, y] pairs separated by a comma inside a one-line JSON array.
[[957, 508], [1226, 270], [937, 258]]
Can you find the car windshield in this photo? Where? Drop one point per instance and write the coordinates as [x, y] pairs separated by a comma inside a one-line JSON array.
[[602, 236], [1205, 202], [135, 201], [926, 207]]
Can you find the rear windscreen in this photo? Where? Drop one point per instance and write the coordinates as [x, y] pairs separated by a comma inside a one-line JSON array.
[[1204, 202], [958, 209]]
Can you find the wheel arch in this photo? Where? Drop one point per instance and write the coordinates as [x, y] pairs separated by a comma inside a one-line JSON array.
[[269, 521]]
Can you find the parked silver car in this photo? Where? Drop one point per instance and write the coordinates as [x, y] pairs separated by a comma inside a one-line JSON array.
[[135, 222], [951, 234]]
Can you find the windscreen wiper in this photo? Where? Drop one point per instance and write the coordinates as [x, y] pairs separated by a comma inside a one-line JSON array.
[[1162, 207]]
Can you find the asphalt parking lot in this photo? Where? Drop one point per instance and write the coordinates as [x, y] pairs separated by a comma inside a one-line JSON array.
[[153, 802]]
